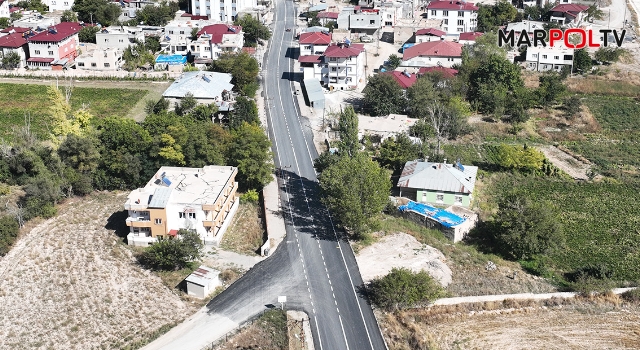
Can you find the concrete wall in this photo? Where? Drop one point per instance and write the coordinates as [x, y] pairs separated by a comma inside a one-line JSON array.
[[455, 234], [449, 198], [196, 290]]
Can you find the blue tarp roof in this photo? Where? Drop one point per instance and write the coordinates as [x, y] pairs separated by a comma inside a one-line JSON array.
[[171, 59], [444, 217], [406, 46]]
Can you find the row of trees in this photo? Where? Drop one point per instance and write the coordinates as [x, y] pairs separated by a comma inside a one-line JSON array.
[[107, 12]]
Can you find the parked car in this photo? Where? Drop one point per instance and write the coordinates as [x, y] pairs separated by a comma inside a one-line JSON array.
[[366, 39]]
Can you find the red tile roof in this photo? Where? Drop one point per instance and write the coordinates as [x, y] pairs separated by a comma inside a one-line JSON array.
[[343, 51], [402, 79], [570, 9], [430, 31], [446, 72], [433, 49], [15, 29], [309, 59], [218, 30], [14, 41], [41, 59], [330, 15], [173, 233], [57, 33], [452, 5], [315, 38], [194, 17], [471, 36]]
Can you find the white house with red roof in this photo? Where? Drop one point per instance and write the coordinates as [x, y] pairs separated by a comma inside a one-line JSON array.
[[340, 67], [177, 35], [59, 5], [118, 37], [456, 16], [4, 9], [429, 34], [213, 40], [15, 42], [568, 13], [469, 37], [314, 43], [54, 48], [404, 78], [433, 54], [325, 17]]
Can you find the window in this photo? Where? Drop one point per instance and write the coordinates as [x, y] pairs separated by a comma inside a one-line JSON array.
[[50, 53], [207, 48], [460, 13], [433, 12], [66, 3], [120, 40], [105, 54], [446, 21], [445, 13], [568, 57], [192, 215], [80, 64], [372, 21], [544, 56], [307, 47], [107, 65], [535, 55], [182, 32], [446, 29], [37, 52], [439, 197], [460, 22], [458, 199], [170, 32], [333, 69], [181, 215], [460, 30], [158, 221], [93, 64], [556, 57], [333, 59], [53, 3], [193, 48]]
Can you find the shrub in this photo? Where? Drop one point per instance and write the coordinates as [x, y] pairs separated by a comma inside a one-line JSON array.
[[251, 196], [632, 295], [402, 288], [8, 233], [174, 253]]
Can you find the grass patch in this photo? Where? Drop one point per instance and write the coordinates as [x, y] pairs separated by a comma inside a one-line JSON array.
[[32, 99], [173, 278], [246, 233], [593, 85], [268, 332]]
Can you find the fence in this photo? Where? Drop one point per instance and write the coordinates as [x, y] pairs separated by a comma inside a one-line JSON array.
[[225, 338]]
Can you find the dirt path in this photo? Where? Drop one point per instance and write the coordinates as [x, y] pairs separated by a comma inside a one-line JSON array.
[[137, 113], [566, 162]]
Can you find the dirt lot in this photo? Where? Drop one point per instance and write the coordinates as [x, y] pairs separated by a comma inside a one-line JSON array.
[[69, 283], [606, 323]]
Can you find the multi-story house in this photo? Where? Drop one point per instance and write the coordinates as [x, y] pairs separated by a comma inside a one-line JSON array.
[[54, 48], [456, 16], [568, 13], [4, 9], [429, 34], [365, 21], [118, 37], [343, 66], [221, 10], [36, 22], [15, 41], [205, 87], [59, 5], [198, 199], [177, 35], [432, 54], [543, 59], [100, 60], [213, 40], [314, 43], [325, 17]]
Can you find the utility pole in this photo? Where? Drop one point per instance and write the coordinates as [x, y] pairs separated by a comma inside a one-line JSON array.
[[91, 14]]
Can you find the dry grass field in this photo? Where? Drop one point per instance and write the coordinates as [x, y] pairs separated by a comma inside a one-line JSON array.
[[246, 233], [579, 323], [70, 283]]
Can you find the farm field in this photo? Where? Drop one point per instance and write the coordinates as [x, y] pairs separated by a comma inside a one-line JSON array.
[[26, 99]]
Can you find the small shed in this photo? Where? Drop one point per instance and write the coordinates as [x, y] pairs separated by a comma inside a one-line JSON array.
[[314, 93], [202, 281]]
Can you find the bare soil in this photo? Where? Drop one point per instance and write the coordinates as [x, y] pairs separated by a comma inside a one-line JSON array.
[[566, 162], [246, 233], [70, 283], [576, 323]]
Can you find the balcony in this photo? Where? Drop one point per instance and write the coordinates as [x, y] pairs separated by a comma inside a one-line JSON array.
[[140, 221], [211, 207], [207, 223]]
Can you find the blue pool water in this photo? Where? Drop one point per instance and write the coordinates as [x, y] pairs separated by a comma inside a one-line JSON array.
[[444, 217]]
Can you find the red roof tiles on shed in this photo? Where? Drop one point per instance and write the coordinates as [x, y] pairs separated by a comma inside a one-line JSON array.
[[15, 29], [430, 31], [433, 49], [344, 51], [13, 41], [316, 38], [470, 36], [309, 59], [330, 15], [452, 5], [570, 9], [403, 80], [57, 33]]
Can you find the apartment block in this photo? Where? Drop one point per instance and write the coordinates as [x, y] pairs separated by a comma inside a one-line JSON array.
[[199, 199], [456, 16], [223, 11]]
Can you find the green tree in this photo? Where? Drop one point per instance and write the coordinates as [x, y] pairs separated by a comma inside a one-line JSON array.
[[186, 104], [355, 189], [593, 12], [609, 54], [402, 288], [582, 61], [383, 95], [11, 60], [244, 110], [493, 82], [253, 29], [525, 228], [33, 5], [419, 96], [572, 105], [5, 22], [137, 55], [157, 107], [152, 43], [313, 20], [88, 34], [69, 16], [158, 15], [123, 135], [242, 67], [79, 153], [204, 112], [173, 253], [325, 160], [207, 144], [9, 230], [395, 152], [550, 89], [104, 12], [533, 13], [250, 152], [348, 130], [394, 62], [492, 16], [525, 159]]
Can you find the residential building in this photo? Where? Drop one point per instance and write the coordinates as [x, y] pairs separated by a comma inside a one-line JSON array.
[[100, 60], [528, 26], [206, 87], [59, 5], [55, 48], [429, 34], [11, 30], [199, 199], [457, 16], [4, 9], [36, 22], [445, 72], [365, 21], [568, 13], [221, 10], [314, 43], [404, 78], [118, 37], [202, 281], [325, 17], [432, 54], [213, 40], [177, 35], [343, 66], [469, 38], [312, 67], [438, 183], [15, 42], [130, 7], [543, 59]]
